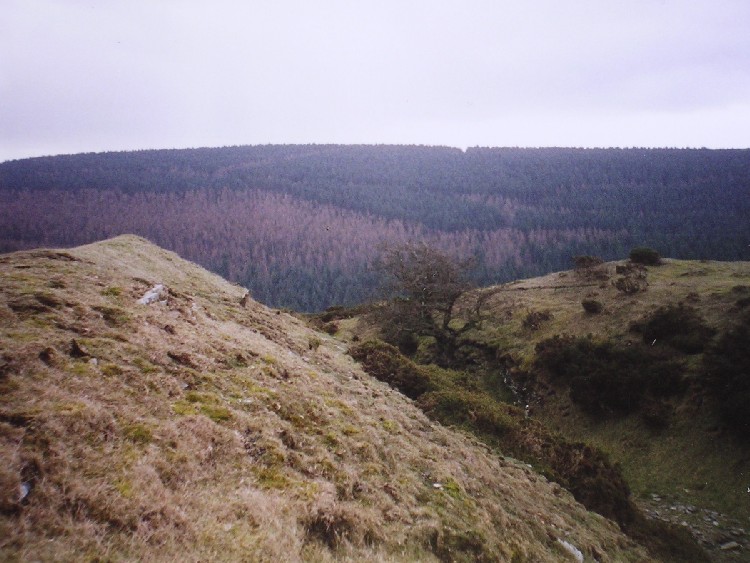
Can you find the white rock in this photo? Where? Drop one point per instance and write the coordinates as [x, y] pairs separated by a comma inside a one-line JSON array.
[[156, 293], [573, 550]]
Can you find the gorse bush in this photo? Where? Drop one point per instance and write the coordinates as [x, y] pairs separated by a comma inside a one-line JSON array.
[[727, 369], [606, 380], [646, 256], [592, 306], [680, 327], [386, 363]]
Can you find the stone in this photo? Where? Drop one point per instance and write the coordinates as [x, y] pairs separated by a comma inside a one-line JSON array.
[[156, 293], [730, 546]]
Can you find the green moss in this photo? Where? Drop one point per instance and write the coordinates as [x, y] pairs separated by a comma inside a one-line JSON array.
[[145, 366], [112, 291], [451, 487], [216, 413], [111, 369], [183, 407], [139, 433], [390, 426], [124, 487], [271, 478]]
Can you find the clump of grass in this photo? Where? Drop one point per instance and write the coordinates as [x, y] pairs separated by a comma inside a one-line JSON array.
[[113, 316], [139, 433], [111, 370], [112, 291]]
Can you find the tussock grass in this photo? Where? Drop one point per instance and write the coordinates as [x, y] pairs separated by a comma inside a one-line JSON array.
[[197, 429]]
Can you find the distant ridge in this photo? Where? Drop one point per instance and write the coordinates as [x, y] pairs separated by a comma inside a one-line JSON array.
[[299, 224]]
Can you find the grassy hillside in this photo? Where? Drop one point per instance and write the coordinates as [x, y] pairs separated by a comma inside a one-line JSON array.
[[203, 426], [694, 459], [681, 460]]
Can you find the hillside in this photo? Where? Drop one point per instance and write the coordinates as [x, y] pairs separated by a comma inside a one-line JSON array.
[[300, 224], [630, 376], [205, 426]]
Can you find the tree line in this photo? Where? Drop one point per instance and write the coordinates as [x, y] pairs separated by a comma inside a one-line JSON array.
[[300, 224]]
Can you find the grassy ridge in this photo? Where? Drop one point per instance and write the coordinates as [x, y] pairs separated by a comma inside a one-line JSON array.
[[207, 427]]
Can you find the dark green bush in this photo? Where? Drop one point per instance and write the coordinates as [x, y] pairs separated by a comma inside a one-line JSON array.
[[646, 256], [606, 380], [656, 414], [592, 306], [727, 367], [384, 362], [630, 285], [330, 328], [680, 327], [534, 319], [584, 262]]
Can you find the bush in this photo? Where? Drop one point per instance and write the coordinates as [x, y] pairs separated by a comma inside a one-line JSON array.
[[534, 319], [592, 306], [584, 262], [656, 415], [677, 326], [630, 285], [646, 256], [727, 368], [605, 380], [385, 362]]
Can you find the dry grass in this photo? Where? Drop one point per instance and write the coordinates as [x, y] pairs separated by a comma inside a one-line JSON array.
[[198, 429]]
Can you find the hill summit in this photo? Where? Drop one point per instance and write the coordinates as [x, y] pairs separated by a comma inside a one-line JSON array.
[[151, 410]]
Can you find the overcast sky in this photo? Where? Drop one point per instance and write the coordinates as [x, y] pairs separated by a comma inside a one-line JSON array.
[[95, 75]]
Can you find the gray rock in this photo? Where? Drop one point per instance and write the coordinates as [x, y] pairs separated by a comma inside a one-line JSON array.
[[730, 546]]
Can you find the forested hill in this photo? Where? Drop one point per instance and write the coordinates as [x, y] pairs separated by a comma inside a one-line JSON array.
[[299, 224]]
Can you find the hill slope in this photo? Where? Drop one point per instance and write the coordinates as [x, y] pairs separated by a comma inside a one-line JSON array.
[[199, 428], [681, 460]]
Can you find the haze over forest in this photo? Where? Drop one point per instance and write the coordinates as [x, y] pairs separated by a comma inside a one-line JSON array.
[[300, 225]]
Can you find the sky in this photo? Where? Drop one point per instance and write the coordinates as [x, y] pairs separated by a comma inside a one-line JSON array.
[[95, 75]]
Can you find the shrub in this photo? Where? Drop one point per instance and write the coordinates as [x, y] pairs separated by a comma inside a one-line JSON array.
[[385, 362], [590, 267], [592, 306], [677, 326], [330, 328], [534, 319], [727, 368], [656, 414], [646, 256], [584, 262], [606, 380], [630, 285]]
